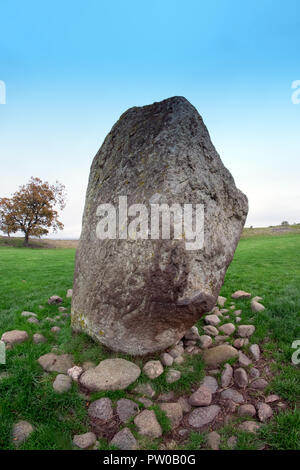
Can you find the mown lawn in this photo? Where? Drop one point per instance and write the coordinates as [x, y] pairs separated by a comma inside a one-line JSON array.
[[266, 266]]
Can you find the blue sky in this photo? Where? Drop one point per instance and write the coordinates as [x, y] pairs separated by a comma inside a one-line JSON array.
[[71, 68]]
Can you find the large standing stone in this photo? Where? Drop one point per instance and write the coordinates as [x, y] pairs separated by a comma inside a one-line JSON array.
[[141, 295]]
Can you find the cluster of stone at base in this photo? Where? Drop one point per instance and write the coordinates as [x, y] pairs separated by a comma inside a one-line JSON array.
[[203, 408]]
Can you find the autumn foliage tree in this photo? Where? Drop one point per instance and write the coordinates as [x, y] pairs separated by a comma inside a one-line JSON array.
[[33, 209]]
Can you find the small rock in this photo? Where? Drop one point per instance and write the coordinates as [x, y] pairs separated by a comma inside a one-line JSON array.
[[69, 293], [62, 383], [257, 299], [244, 361], [247, 410], [216, 311], [237, 313], [271, 398], [259, 384], [75, 372], [249, 426], [211, 330], [84, 441], [239, 343], [224, 310], [257, 307], [173, 412], [55, 329], [232, 394], [244, 331], [62, 309], [201, 397], [201, 416], [54, 363], [241, 294], [147, 424], [189, 342], [210, 383], [254, 373], [212, 320], [167, 396], [166, 359], [176, 351], [255, 351], [205, 341], [145, 389], [264, 412], [213, 357], [179, 360], [213, 440], [101, 409], [227, 328], [185, 406], [221, 301], [14, 337], [153, 369], [124, 440], [192, 334], [55, 299], [38, 338], [241, 377], [220, 339], [183, 432], [126, 409], [33, 320], [49, 319], [226, 376], [213, 372], [21, 432], [110, 374], [232, 442], [172, 376], [28, 314], [238, 319]]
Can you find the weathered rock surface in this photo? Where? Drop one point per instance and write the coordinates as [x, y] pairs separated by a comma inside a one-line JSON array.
[[202, 416], [147, 424], [232, 394], [141, 295], [101, 409], [153, 369], [110, 374], [21, 432], [54, 363], [226, 376], [84, 441], [126, 409], [125, 440], [213, 440], [62, 383], [219, 354], [174, 412], [201, 397], [14, 337]]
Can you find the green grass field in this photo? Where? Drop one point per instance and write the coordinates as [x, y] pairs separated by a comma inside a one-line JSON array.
[[268, 266]]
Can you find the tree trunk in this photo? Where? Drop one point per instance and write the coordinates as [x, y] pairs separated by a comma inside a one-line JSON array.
[[26, 240]]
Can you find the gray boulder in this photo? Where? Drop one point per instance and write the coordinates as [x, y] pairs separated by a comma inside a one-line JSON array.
[[139, 295], [110, 374]]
